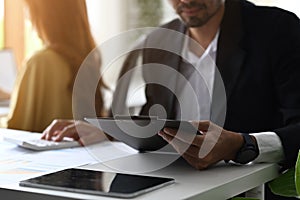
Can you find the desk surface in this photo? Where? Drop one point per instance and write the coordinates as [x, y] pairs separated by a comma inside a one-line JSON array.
[[219, 182]]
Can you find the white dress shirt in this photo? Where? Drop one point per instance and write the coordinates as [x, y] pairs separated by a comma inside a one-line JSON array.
[[269, 143]]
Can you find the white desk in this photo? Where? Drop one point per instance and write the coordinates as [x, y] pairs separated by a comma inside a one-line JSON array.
[[219, 182]]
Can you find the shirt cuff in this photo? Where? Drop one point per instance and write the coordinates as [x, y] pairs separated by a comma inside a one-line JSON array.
[[270, 147]]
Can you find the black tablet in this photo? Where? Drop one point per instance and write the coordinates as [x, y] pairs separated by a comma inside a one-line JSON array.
[[140, 132], [98, 182]]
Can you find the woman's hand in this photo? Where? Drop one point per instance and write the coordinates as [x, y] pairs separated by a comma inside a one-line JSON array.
[[83, 132]]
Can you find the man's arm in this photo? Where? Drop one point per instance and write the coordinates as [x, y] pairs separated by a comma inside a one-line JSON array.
[[270, 147], [217, 144], [214, 145]]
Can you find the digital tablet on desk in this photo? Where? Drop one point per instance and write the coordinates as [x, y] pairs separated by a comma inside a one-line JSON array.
[[140, 132], [98, 182]]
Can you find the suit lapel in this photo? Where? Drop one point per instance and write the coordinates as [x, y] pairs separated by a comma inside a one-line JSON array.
[[174, 61], [165, 52], [230, 54]]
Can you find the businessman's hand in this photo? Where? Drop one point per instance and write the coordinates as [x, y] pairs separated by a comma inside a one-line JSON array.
[[81, 131], [214, 145]]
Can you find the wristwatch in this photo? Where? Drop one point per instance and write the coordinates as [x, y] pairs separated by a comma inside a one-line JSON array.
[[249, 151]]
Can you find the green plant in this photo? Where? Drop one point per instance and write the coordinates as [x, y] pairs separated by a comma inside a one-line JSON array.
[[297, 175], [150, 13], [288, 184], [144, 13]]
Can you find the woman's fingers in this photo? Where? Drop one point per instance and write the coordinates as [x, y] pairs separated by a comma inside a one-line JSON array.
[[55, 127]]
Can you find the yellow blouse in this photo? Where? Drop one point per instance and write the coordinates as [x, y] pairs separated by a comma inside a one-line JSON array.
[[41, 93]]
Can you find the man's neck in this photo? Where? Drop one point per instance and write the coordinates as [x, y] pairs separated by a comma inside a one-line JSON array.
[[206, 33]]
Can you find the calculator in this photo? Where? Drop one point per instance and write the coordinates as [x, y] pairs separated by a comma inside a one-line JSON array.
[[41, 145]]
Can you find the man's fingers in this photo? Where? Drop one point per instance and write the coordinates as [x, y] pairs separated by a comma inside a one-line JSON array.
[[189, 138], [190, 154], [195, 162], [180, 146], [201, 125]]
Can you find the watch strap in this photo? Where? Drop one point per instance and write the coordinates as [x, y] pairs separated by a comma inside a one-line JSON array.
[[249, 145]]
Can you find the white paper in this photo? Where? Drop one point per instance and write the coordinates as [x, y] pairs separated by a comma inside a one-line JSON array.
[[17, 163]]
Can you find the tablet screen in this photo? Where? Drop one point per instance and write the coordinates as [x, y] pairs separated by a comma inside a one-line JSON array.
[[98, 182]]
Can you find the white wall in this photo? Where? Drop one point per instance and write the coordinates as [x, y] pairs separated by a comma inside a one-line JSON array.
[[107, 18], [291, 5]]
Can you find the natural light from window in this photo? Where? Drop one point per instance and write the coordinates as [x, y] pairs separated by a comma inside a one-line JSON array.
[[1, 24], [32, 40], [109, 18]]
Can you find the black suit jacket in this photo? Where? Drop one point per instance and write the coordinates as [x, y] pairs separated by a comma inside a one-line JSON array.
[[258, 58]]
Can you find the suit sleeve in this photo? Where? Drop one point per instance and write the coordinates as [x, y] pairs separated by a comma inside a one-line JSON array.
[[287, 81]]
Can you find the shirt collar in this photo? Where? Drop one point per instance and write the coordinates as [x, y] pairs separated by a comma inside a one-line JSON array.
[[190, 56]]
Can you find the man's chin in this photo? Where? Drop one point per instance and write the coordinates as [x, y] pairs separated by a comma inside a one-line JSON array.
[[193, 22]]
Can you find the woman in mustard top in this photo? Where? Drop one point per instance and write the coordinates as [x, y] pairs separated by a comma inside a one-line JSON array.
[[4, 95], [43, 90]]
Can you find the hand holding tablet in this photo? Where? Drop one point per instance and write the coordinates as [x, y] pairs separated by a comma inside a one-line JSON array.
[[140, 132]]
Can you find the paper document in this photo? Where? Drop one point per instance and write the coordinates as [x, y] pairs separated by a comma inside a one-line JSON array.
[[17, 164]]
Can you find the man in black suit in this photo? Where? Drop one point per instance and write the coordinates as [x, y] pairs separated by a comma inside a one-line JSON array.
[[254, 90], [258, 57], [257, 54]]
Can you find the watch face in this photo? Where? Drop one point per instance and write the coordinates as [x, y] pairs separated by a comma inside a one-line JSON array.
[[245, 156], [249, 150]]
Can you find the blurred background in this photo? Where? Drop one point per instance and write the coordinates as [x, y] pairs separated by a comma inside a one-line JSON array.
[[107, 19]]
